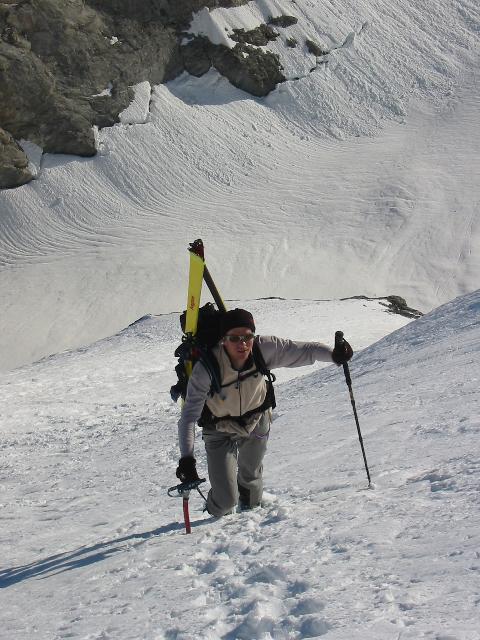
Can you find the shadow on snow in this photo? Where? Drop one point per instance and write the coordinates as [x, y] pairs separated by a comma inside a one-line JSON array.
[[84, 556]]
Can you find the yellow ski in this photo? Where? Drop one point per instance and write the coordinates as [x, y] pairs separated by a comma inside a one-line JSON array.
[[195, 280]]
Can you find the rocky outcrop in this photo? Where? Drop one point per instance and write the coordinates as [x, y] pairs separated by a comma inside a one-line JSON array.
[[13, 163], [394, 304], [397, 304], [253, 70], [315, 49], [56, 56], [283, 21], [259, 37], [66, 65], [176, 13]]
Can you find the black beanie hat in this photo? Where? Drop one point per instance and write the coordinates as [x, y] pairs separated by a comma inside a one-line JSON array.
[[237, 318]]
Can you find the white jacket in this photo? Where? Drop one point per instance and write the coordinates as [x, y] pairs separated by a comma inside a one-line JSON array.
[[277, 353]]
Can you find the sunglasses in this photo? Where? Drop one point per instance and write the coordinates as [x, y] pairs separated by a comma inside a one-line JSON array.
[[236, 339]]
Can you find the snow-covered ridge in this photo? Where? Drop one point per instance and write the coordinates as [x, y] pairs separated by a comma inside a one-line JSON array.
[[89, 535], [149, 344]]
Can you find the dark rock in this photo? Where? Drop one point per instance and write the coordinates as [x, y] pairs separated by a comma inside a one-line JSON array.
[[107, 107], [258, 37], [197, 56], [399, 305], [33, 108], [175, 13], [315, 49], [398, 301], [291, 42], [69, 132], [13, 163], [283, 21], [253, 70], [396, 304]]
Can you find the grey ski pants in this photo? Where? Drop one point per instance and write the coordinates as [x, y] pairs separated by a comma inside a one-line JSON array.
[[235, 467]]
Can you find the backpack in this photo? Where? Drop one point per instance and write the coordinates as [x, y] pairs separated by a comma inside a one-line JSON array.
[[199, 347]]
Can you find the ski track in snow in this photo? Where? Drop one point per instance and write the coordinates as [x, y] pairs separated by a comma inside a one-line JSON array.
[[360, 177], [92, 548]]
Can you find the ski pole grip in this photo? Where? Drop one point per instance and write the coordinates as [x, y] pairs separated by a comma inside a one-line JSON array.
[[339, 338]]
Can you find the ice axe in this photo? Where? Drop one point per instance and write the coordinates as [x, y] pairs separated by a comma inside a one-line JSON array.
[[339, 341], [183, 491]]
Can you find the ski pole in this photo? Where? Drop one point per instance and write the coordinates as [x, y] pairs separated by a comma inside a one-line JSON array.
[[213, 289], [339, 340]]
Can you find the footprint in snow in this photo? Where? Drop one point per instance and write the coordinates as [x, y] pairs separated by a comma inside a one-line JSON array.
[[438, 481], [210, 566], [269, 573], [272, 619], [307, 606]]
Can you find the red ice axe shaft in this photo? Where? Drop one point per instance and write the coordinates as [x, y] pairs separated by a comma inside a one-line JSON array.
[[183, 490], [186, 515]]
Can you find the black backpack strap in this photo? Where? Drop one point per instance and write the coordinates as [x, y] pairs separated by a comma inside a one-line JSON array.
[[262, 367], [210, 363], [260, 362], [208, 420]]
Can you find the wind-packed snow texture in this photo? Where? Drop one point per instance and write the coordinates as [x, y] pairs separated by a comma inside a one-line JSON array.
[[93, 548], [357, 176]]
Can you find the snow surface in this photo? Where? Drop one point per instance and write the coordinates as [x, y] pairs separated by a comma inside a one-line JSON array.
[[105, 92], [358, 178], [93, 549], [34, 154], [137, 111]]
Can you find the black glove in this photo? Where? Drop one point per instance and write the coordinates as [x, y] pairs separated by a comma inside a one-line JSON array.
[[186, 470], [342, 352]]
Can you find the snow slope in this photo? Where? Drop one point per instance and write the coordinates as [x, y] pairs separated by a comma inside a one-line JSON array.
[[357, 178], [92, 548]]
